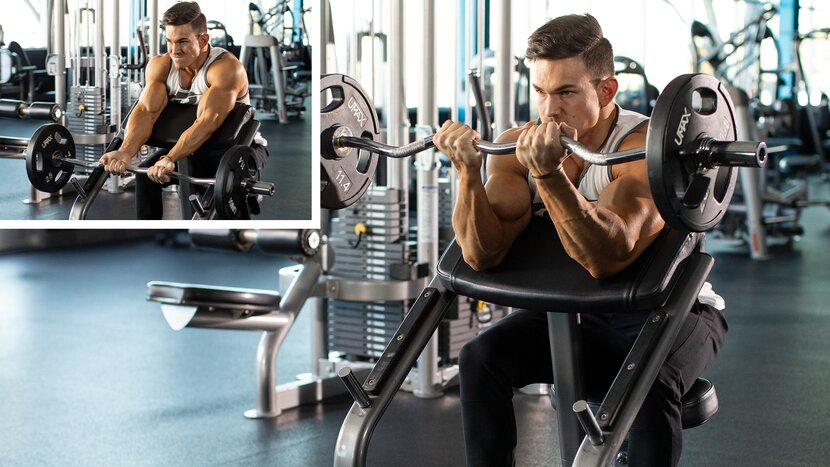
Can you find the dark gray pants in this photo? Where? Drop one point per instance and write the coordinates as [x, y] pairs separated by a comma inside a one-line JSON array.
[[515, 352]]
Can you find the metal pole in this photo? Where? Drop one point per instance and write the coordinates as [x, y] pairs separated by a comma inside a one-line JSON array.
[[325, 24], [501, 96], [750, 179], [480, 13], [319, 335], [100, 69], [397, 173], [60, 51], [428, 385], [427, 111], [456, 78], [153, 13], [48, 21], [115, 69], [468, 58]]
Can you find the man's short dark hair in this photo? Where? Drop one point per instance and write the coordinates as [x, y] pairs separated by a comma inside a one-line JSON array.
[[573, 36], [186, 13]]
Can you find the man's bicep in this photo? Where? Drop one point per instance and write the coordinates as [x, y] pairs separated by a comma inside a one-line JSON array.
[[509, 197], [629, 197], [153, 98], [220, 98], [216, 104]]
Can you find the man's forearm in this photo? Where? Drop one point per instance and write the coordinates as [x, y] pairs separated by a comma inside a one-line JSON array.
[[593, 236], [138, 131], [192, 139], [477, 228]]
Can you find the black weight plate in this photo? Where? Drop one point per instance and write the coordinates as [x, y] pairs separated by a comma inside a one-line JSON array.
[[44, 172], [230, 197], [345, 173], [689, 196]]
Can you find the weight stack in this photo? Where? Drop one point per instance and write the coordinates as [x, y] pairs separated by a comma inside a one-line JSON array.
[[362, 329], [87, 114]]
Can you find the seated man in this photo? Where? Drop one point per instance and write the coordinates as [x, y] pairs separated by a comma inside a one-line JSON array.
[[605, 217], [194, 73]]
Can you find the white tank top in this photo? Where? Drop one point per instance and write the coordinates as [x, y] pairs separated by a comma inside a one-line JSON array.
[[192, 95], [596, 178]]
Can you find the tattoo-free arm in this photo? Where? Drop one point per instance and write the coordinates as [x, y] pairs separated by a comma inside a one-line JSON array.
[[607, 236]]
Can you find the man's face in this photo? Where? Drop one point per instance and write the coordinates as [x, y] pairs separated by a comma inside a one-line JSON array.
[[567, 92], [184, 45]]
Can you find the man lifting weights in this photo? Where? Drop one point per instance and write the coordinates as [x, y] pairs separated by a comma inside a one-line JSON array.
[[194, 73], [605, 217]]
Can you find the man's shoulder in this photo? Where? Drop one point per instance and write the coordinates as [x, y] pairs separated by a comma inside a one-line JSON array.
[[225, 62], [158, 67], [226, 67]]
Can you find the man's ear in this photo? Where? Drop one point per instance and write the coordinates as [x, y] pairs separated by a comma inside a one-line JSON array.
[[607, 90], [203, 40]]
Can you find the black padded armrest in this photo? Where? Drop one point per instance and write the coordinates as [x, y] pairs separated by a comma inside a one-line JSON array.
[[176, 118], [213, 298], [538, 274]]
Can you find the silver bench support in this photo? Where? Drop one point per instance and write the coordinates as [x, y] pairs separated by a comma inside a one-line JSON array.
[[306, 284]]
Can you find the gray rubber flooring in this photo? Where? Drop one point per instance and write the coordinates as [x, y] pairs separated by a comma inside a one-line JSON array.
[[91, 375], [289, 168]]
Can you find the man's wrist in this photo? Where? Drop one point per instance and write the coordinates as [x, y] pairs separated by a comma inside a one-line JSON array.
[[548, 174], [468, 175]]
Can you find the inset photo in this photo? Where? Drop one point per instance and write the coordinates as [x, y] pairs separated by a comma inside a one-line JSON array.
[[155, 111]]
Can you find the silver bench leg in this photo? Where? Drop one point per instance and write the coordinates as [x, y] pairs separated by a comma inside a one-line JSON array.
[[266, 371]]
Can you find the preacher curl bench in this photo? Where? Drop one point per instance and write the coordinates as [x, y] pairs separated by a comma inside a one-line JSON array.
[[537, 274]]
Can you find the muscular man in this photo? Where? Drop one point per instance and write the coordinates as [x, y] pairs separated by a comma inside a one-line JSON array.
[[193, 73], [605, 217]]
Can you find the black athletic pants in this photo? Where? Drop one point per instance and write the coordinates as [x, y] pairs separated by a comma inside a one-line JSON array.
[[515, 352], [203, 165]]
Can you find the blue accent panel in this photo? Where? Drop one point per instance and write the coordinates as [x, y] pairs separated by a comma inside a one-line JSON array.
[[788, 17]]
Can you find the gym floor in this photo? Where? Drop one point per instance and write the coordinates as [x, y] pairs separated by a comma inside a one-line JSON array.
[[289, 168], [90, 374]]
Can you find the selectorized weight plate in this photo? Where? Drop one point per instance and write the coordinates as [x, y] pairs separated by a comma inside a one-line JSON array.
[[345, 173], [229, 194], [689, 195], [45, 173]]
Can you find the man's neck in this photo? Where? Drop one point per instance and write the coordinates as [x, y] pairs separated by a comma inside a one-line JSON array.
[[199, 63], [599, 133]]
